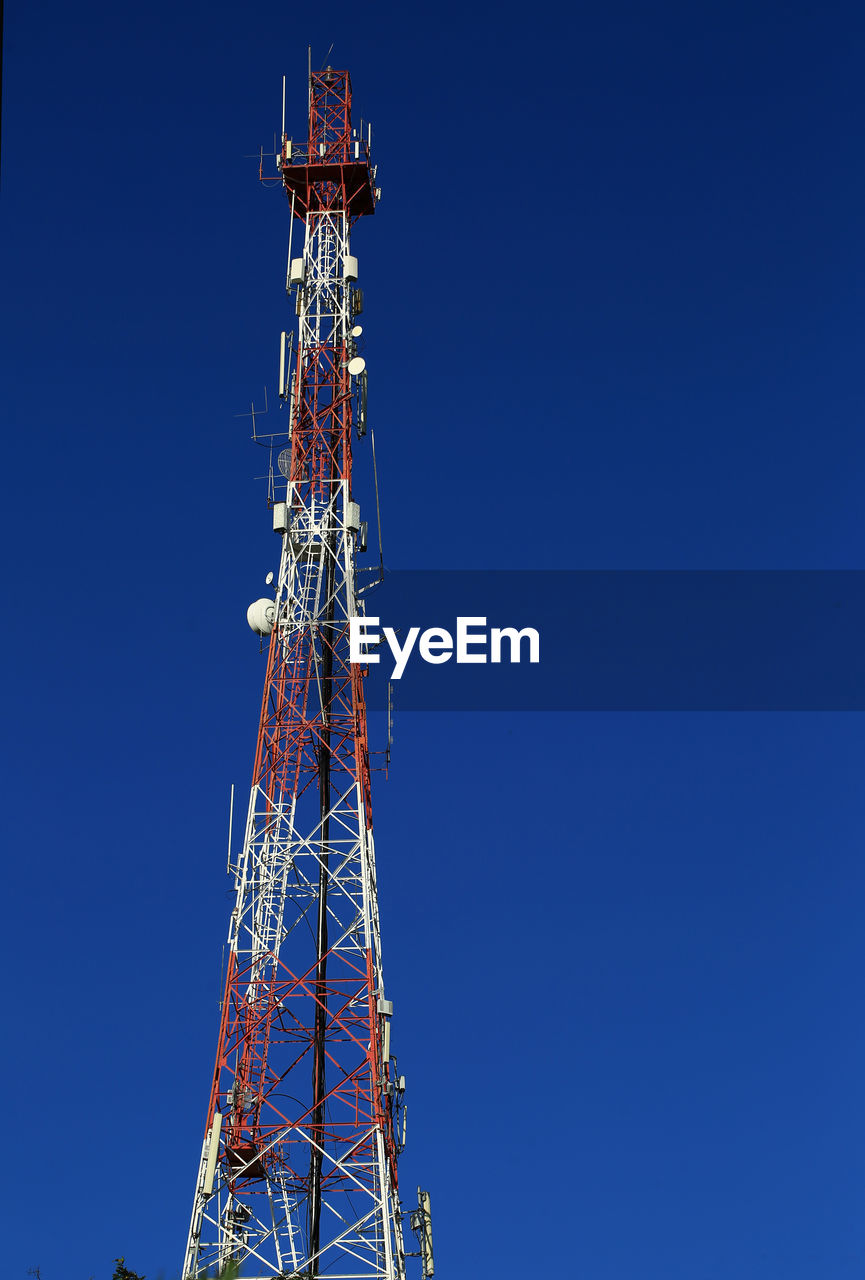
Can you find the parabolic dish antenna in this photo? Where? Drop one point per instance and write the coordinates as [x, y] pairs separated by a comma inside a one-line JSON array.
[[357, 331], [284, 462], [356, 366]]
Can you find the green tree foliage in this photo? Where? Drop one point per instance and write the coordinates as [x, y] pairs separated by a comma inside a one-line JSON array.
[[122, 1272]]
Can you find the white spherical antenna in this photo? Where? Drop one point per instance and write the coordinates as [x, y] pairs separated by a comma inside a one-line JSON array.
[[357, 331], [283, 461], [356, 366], [260, 615]]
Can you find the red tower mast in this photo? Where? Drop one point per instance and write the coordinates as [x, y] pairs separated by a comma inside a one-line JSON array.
[[298, 1171]]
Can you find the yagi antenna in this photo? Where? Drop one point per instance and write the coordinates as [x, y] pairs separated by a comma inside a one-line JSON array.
[[253, 411]]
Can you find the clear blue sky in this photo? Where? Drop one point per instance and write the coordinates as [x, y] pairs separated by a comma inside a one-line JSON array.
[[615, 315]]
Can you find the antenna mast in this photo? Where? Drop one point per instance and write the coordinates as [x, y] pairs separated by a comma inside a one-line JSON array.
[[298, 1170]]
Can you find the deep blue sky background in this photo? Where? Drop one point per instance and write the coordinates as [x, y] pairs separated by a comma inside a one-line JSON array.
[[615, 313]]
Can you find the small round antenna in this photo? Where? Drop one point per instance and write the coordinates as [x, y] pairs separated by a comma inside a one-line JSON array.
[[356, 366], [268, 579], [357, 331], [284, 462]]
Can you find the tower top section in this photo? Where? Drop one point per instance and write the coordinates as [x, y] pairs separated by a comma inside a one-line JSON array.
[[333, 172]]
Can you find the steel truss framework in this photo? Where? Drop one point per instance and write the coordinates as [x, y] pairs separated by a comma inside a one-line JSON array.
[[298, 1169]]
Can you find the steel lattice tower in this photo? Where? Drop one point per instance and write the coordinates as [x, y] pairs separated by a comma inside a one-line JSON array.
[[298, 1172]]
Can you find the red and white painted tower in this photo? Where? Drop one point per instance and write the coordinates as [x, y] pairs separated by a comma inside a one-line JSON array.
[[298, 1172]]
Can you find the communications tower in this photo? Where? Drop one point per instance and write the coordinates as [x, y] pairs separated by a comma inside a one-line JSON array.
[[298, 1171]]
